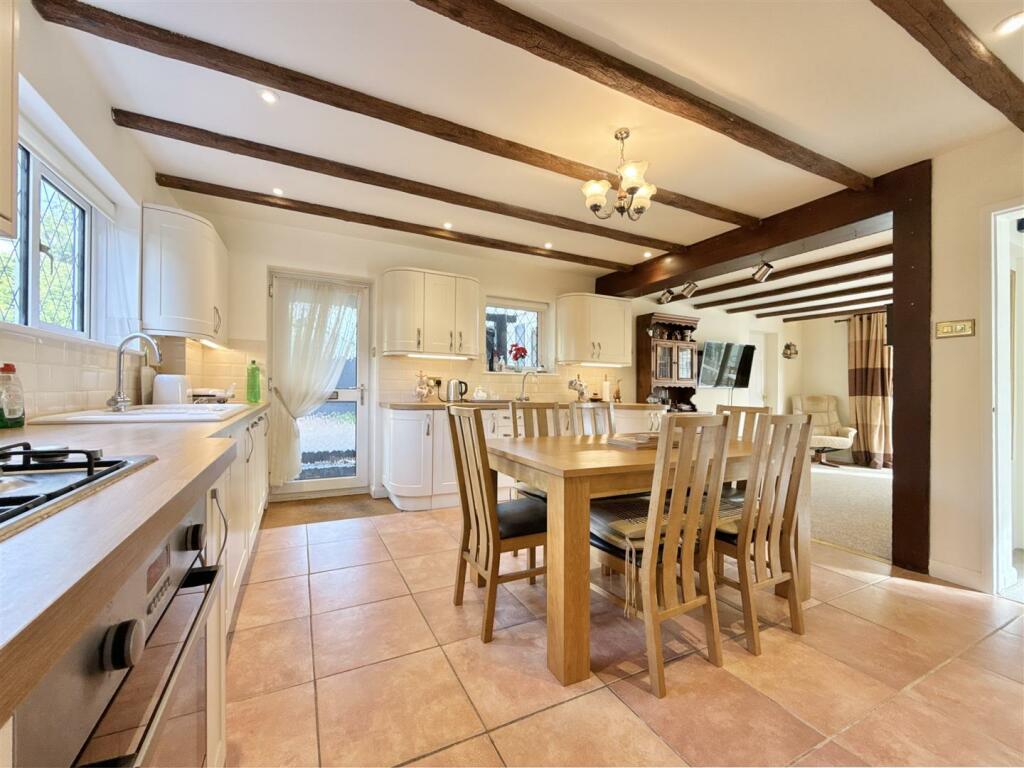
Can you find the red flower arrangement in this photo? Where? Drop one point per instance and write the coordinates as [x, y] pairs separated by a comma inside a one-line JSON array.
[[517, 352]]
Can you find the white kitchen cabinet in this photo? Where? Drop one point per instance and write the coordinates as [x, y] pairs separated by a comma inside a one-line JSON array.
[[594, 330], [184, 275], [444, 481], [429, 312], [628, 420], [216, 632], [408, 457], [8, 121]]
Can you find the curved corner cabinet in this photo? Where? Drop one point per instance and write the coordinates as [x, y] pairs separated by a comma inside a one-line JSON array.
[[594, 330], [429, 313], [184, 275]]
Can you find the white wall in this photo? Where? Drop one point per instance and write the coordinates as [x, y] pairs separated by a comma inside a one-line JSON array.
[[968, 182]]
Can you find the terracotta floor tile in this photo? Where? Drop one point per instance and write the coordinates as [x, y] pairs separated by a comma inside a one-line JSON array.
[[1015, 627], [827, 584], [830, 754], [533, 596], [1000, 652], [393, 711], [365, 634], [477, 752], [275, 729], [451, 622], [421, 541], [425, 572], [888, 656], [849, 563], [931, 626], [404, 521], [452, 516], [278, 564], [272, 601], [984, 701], [269, 658], [906, 731], [711, 717], [595, 729], [821, 691], [346, 553], [771, 608], [345, 587], [509, 677], [336, 530], [976, 606], [280, 538]]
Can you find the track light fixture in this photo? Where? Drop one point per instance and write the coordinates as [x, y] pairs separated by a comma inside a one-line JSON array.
[[689, 288], [666, 296], [761, 271]]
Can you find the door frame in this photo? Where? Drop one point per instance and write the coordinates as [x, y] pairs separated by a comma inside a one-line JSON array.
[[365, 442]]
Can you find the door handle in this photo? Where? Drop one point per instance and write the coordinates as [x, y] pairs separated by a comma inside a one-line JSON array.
[[460, 341], [427, 422], [599, 350], [419, 337], [216, 320], [451, 341], [593, 350], [362, 394]]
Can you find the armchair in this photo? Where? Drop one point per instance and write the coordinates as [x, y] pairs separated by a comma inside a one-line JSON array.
[[827, 433]]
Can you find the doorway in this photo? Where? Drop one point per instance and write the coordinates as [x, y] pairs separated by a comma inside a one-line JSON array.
[[334, 436]]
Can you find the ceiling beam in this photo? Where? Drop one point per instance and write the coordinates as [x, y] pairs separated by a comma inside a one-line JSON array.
[[501, 22], [826, 282], [163, 42], [795, 300], [316, 209], [204, 138], [935, 26], [835, 218], [847, 313], [885, 298], [803, 269]]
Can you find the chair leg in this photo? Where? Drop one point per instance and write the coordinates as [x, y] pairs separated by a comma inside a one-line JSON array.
[[490, 600], [711, 628], [460, 580], [749, 608], [605, 570], [531, 562], [796, 607], [719, 564], [655, 654]]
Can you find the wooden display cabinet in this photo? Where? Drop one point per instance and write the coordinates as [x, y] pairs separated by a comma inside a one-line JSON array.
[[666, 341]]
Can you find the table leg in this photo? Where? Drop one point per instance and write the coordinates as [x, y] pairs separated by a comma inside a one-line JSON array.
[[567, 557]]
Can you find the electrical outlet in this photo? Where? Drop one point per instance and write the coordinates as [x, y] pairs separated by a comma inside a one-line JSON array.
[[435, 383]]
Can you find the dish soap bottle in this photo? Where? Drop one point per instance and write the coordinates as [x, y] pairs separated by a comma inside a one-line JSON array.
[[252, 383], [12, 398]]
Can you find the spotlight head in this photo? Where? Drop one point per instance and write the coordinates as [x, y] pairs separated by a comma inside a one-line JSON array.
[[689, 288], [666, 296], [761, 271]]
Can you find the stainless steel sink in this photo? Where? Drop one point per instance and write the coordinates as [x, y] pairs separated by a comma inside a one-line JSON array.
[[148, 413]]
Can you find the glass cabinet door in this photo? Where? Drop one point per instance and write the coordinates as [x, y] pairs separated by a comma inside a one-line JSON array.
[[685, 360], [663, 362]]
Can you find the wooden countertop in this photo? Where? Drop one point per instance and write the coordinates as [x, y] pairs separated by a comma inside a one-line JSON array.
[[56, 575]]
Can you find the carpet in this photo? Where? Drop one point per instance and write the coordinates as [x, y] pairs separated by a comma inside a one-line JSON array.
[[851, 507]]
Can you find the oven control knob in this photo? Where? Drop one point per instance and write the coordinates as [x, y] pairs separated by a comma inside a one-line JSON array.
[[122, 645], [195, 537]]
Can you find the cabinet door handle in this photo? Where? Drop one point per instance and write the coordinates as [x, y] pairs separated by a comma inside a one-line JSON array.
[[451, 341], [266, 429], [599, 349], [216, 320], [593, 350], [427, 422], [460, 341], [419, 337], [252, 444]]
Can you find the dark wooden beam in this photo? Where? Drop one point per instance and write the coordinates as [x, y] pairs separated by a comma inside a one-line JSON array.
[[238, 146], [853, 213], [501, 22], [316, 209], [825, 282], [847, 313], [163, 42], [838, 261], [935, 26], [885, 298], [793, 300]]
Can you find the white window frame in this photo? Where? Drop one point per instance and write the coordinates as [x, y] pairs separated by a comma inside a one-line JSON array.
[[543, 310]]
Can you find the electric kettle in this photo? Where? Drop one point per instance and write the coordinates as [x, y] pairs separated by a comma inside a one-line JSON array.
[[457, 390]]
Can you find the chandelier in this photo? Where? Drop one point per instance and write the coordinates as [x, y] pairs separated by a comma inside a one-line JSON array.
[[634, 193]]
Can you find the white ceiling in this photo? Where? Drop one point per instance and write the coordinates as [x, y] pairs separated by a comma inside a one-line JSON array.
[[838, 77]]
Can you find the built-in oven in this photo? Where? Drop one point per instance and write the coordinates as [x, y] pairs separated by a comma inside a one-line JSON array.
[[132, 690]]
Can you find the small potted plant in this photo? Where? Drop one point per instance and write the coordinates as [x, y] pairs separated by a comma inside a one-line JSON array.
[[517, 352]]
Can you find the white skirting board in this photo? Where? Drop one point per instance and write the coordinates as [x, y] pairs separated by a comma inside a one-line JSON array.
[[962, 576]]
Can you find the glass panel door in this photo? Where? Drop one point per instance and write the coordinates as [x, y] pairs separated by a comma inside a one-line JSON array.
[[684, 355]]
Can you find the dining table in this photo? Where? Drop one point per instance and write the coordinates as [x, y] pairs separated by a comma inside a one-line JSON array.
[[572, 471]]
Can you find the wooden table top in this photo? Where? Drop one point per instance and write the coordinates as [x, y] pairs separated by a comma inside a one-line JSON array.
[[582, 456]]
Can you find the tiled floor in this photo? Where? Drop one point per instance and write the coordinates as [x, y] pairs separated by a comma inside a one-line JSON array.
[[348, 651]]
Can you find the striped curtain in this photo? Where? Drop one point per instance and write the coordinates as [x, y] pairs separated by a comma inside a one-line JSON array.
[[870, 384]]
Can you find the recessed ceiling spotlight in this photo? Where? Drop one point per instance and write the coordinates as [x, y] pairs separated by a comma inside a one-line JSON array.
[[1010, 24], [268, 96], [647, 254], [761, 271], [447, 225], [278, 191], [689, 288], [666, 296], [547, 246]]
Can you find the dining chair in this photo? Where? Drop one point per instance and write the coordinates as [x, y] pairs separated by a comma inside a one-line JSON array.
[[538, 420], [762, 539], [647, 416], [660, 547], [489, 528], [589, 419], [742, 425]]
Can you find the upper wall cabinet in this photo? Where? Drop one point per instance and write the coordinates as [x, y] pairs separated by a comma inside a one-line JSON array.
[[594, 330], [184, 276], [8, 122], [429, 312]]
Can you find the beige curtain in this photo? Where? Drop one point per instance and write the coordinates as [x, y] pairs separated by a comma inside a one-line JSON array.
[[870, 384]]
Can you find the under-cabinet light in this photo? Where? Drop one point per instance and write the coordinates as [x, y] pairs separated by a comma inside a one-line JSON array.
[[423, 356]]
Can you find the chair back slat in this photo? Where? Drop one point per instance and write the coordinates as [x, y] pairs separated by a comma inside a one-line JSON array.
[[589, 419], [538, 419], [478, 493], [744, 420], [691, 462], [654, 412]]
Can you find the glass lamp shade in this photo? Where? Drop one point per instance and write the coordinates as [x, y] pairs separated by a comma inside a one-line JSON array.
[[632, 175], [595, 192], [642, 197]]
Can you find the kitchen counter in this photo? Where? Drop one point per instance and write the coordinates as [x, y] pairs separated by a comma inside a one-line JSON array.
[[57, 574], [437, 405]]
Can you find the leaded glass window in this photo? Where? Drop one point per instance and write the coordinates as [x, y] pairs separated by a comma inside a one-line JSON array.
[[61, 258], [505, 326], [14, 256]]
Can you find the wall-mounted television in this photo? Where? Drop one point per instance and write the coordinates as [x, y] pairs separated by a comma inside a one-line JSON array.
[[725, 364]]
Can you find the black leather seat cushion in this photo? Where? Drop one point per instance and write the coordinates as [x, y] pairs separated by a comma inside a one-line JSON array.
[[522, 517]]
